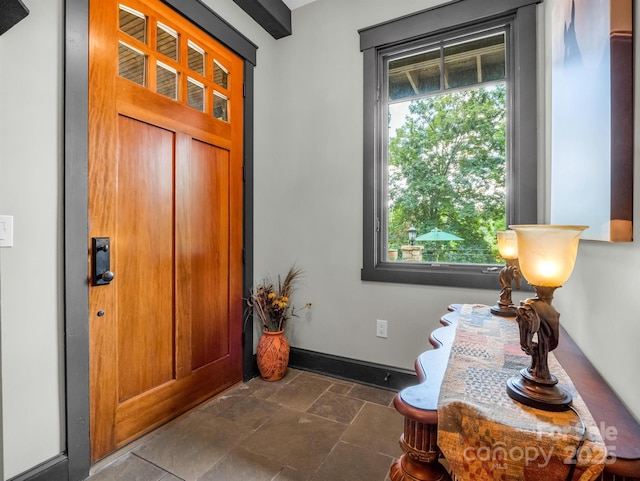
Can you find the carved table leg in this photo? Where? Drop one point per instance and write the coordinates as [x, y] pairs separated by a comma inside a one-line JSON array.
[[419, 445]]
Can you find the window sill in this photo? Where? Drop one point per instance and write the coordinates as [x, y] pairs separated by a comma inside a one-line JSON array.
[[448, 275]]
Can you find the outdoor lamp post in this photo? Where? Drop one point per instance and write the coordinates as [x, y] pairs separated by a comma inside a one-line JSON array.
[[412, 234]]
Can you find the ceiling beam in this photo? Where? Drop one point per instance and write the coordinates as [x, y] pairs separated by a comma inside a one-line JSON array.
[[272, 15], [11, 12]]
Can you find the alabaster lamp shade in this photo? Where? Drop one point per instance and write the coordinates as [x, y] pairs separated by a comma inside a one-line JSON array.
[[547, 253], [507, 244]]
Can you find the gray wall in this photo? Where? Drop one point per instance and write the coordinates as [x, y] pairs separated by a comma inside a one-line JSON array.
[[308, 193], [30, 272], [308, 210]]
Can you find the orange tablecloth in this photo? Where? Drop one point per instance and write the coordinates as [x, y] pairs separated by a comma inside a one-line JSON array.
[[484, 434]]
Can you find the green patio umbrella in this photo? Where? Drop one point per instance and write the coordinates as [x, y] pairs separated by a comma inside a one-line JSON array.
[[436, 235]]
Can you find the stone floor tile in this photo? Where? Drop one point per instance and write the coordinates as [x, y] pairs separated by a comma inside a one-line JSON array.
[[241, 464], [224, 402], [336, 407], [387, 477], [258, 387], [290, 474], [251, 412], [295, 439], [301, 392], [372, 394], [129, 468], [377, 428], [242, 435], [171, 477], [353, 463], [192, 446], [341, 387]]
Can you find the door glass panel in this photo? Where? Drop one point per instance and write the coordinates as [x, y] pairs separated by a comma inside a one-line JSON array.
[[131, 64], [196, 58], [195, 94], [220, 104], [133, 23], [220, 75], [167, 42], [167, 81]]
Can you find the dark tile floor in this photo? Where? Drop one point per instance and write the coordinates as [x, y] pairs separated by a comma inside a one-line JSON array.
[[305, 427]]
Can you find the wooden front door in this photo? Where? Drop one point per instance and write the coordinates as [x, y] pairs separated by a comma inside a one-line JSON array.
[[165, 186]]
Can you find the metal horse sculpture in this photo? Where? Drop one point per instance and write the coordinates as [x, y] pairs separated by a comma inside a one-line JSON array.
[[538, 317], [509, 274]]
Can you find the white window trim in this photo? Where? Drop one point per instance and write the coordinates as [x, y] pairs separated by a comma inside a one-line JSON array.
[[168, 30]]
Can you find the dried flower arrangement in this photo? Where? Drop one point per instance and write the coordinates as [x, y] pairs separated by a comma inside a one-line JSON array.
[[271, 300]]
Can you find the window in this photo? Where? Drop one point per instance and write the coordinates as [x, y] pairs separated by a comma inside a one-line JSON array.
[[446, 147], [450, 136]]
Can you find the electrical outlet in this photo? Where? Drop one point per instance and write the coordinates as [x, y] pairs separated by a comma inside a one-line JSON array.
[[6, 231], [381, 328]]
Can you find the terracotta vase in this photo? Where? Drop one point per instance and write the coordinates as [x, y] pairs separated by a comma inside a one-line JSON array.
[[272, 355]]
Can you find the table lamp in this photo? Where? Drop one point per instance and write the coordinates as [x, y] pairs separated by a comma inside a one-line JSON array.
[[547, 254], [508, 248]]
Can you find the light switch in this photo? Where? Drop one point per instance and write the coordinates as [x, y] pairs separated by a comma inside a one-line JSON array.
[[6, 231]]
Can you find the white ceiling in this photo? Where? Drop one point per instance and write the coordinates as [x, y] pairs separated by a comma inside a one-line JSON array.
[[292, 4]]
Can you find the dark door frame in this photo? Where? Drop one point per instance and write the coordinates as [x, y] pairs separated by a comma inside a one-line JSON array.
[[75, 463]]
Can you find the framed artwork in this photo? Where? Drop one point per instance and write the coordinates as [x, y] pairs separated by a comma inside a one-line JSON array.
[[592, 117]]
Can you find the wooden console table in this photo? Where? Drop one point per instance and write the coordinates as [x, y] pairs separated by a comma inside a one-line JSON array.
[[419, 405]]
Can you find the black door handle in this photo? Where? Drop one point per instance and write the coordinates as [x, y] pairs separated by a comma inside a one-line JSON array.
[[101, 261], [107, 276]]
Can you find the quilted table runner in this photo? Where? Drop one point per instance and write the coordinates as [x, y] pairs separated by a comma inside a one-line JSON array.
[[485, 435]]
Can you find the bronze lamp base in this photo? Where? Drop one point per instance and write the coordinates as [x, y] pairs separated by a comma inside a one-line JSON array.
[[509, 273], [538, 393], [539, 326], [503, 311]]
